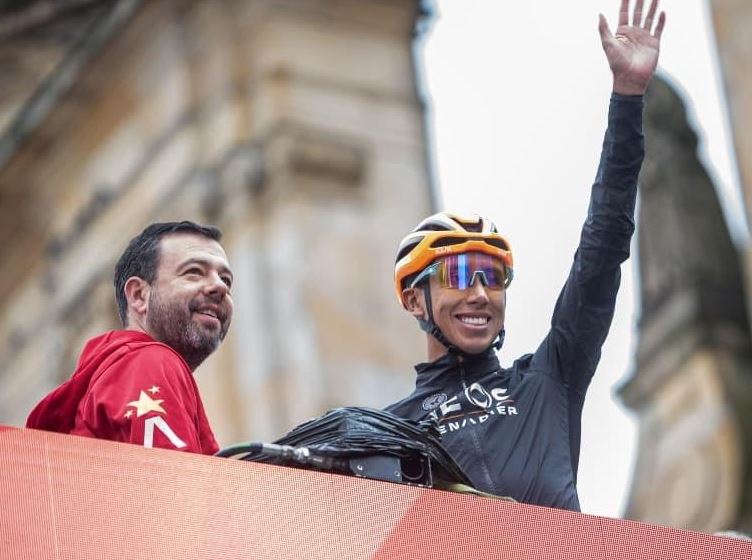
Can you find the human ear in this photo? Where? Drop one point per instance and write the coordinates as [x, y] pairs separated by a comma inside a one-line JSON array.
[[137, 292], [414, 302]]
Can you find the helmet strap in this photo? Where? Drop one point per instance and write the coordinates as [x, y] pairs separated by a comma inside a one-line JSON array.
[[499, 339], [432, 328]]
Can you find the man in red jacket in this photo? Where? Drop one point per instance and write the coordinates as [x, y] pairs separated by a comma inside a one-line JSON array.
[[136, 385]]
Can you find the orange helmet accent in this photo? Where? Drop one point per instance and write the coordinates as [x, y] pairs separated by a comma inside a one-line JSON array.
[[447, 234]]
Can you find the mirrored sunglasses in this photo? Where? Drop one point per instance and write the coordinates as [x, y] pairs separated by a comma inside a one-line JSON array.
[[459, 272]]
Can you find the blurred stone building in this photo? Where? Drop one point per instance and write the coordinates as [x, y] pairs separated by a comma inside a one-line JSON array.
[[297, 126], [692, 385]]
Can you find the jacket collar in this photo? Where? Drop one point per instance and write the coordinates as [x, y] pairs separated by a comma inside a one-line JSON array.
[[446, 369]]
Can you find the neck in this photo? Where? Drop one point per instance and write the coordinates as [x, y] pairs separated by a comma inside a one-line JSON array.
[[435, 349], [134, 322], [192, 358]]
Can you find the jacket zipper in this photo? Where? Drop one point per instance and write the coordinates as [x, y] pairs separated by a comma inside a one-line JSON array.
[[476, 442]]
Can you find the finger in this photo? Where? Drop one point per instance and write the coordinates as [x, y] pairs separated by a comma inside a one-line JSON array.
[[659, 27], [624, 13], [637, 18], [651, 15], [603, 28]]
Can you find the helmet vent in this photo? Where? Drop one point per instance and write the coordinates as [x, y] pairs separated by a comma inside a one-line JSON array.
[[473, 227], [405, 251], [433, 227], [444, 241], [497, 243]]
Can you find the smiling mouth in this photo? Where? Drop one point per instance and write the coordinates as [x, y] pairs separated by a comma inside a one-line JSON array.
[[473, 320], [209, 313]]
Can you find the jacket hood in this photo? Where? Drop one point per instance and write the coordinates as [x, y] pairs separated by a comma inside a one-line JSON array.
[[57, 411]]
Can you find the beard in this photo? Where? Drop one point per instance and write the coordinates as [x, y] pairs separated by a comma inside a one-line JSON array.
[[171, 322]]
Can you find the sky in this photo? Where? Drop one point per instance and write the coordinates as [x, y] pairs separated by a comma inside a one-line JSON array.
[[518, 95]]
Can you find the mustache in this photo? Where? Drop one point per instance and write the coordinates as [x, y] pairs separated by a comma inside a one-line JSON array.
[[207, 304]]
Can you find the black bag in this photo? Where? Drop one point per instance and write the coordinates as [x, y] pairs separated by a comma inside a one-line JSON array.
[[363, 442]]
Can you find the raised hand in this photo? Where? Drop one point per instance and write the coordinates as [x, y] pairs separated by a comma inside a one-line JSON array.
[[632, 52]]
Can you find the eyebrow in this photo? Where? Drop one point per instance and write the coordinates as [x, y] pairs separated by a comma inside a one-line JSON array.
[[205, 262]]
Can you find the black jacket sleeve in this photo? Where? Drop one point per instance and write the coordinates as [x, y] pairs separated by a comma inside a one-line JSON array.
[[585, 306]]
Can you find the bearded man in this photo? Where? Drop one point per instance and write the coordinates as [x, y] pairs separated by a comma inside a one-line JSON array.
[[135, 385]]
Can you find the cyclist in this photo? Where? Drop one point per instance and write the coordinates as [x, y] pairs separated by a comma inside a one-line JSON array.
[[516, 431]]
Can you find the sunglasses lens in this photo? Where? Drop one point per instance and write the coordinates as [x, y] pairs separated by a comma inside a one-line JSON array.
[[460, 271]]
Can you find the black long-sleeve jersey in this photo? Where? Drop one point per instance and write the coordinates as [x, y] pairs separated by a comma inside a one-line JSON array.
[[516, 431]]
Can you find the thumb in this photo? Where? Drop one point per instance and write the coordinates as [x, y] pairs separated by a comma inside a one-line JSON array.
[[603, 29]]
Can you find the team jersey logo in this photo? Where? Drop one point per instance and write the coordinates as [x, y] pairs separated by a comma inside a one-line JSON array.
[[473, 406], [434, 401], [145, 404]]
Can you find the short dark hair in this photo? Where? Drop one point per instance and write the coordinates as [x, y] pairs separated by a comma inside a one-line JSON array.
[[141, 257]]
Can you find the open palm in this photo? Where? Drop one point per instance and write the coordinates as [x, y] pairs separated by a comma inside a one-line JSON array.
[[632, 52]]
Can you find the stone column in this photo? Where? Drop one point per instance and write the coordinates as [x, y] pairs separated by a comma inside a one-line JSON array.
[[692, 384]]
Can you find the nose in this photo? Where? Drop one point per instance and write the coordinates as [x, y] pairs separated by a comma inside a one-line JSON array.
[[477, 291], [216, 287]]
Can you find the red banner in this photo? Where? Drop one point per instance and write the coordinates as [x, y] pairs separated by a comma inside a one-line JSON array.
[[64, 497]]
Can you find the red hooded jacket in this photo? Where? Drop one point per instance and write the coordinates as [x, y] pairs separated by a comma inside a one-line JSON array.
[[129, 387]]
